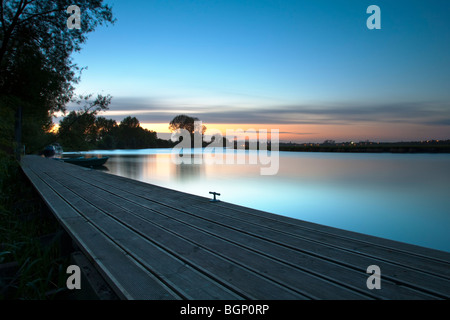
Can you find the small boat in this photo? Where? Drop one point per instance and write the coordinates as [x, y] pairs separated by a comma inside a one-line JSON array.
[[53, 150], [86, 162]]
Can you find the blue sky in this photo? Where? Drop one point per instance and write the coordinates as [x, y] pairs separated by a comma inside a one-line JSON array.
[[312, 68]]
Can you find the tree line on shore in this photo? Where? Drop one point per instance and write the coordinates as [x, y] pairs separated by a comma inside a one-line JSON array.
[[427, 146], [86, 131]]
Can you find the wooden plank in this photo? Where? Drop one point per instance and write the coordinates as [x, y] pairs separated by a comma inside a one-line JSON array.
[[128, 279]]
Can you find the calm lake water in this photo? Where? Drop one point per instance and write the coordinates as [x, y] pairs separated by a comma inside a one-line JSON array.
[[403, 197]]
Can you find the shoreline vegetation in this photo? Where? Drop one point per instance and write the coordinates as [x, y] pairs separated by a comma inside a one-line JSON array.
[[32, 257], [84, 131], [87, 131], [428, 146]]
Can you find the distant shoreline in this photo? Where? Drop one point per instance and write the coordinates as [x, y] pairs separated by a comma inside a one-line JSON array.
[[429, 146], [368, 149]]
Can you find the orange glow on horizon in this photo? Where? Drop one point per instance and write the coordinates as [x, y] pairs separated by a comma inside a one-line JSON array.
[[320, 132], [287, 132], [305, 133]]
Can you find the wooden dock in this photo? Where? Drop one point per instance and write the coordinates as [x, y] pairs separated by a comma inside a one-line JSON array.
[[150, 242]]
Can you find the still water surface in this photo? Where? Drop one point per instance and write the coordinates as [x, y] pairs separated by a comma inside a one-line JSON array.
[[403, 197]]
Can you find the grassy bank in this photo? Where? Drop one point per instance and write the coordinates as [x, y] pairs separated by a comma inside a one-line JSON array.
[[31, 259]]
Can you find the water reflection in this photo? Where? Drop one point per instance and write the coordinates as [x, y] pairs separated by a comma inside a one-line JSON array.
[[134, 168], [189, 171], [396, 196]]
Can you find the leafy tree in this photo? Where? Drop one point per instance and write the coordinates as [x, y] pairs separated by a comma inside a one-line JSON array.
[[130, 123], [43, 24], [36, 67], [105, 126], [81, 130], [132, 136], [186, 122], [106, 130], [78, 131]]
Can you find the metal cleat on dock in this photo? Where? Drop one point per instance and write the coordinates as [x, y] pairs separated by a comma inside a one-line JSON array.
[[215, 194]]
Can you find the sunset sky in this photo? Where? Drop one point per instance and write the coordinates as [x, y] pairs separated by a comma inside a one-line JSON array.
[[311, 69]]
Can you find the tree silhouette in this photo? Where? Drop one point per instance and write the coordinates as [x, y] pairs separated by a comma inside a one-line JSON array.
[[130, 123], [130, 135], [36, 68], [186, 122], [78, 131]]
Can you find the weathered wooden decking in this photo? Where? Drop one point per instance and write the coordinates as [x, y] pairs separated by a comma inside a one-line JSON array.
[[150, 242]]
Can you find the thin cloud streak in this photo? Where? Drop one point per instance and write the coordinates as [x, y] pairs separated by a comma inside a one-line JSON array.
[[156, 111]]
